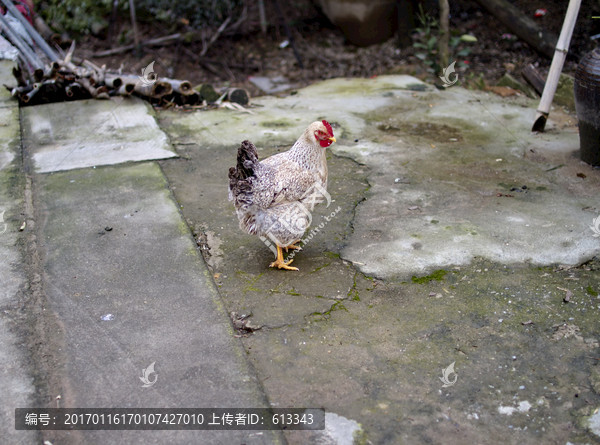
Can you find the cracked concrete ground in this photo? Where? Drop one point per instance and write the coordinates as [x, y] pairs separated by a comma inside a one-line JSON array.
[[450, 294], [461, 238]]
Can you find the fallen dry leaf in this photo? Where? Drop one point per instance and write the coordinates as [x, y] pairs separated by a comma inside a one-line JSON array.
[[568, 294], [503, 91]]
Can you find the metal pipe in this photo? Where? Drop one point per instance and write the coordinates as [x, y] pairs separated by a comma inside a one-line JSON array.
[[25, 50], [32, 32]]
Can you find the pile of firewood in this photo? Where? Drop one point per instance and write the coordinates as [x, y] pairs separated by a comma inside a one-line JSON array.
[[63, 80], [50, 78]]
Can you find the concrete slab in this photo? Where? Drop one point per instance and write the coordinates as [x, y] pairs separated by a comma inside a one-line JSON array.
[[88, 133], [492, 349], [16, 379], [455, 174], [463, 177], [6, 67], [123, 278]]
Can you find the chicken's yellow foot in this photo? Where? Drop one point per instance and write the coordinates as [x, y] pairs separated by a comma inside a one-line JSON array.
[[279, 263], [293, 246]]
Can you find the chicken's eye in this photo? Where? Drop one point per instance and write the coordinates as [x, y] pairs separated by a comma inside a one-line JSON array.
[[321, 135]]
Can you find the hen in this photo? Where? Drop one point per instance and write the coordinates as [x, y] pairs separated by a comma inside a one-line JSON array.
[[274, 198]]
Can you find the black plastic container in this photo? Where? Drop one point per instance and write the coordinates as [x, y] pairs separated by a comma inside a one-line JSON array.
[[587, 105]]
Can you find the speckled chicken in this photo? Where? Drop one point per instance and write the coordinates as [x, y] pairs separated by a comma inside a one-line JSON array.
[[274, 198]]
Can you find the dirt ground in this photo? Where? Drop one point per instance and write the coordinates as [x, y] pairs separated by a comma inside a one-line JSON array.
[[326, 54]]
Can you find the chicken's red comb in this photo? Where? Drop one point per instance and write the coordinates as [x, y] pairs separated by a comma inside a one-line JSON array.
[[329, 129]]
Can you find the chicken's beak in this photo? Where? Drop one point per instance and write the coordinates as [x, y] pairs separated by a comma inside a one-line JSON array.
[[332, 139]]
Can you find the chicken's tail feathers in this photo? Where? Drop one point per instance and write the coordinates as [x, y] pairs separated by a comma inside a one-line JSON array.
[[247, 158], [240, 182]]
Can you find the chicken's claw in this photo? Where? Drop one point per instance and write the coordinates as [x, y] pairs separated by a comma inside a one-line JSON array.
[[283, 265], [279, 263], [293, 246]]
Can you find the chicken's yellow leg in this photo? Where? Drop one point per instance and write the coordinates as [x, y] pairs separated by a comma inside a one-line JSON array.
[[279, 263]]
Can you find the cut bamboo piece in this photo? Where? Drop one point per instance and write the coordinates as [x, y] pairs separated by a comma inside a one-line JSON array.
[[73, 89], [113, 81], [180, 86], [207, 92], [27, 97], [155, 89], [126, 89], [238, 95]]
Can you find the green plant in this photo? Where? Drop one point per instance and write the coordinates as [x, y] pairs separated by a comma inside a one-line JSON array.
[[474, 81], [88, 16], [426, 39], [199, 13], [77, 16]]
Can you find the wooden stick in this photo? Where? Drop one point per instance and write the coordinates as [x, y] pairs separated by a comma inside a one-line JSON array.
[[166, 40], [524, 27], [288, 32], [112, 23], [562, 47], [45, 31], [534, 78], [262, 16], [174, 38], [215, 36], [136, 35], [444, 33]]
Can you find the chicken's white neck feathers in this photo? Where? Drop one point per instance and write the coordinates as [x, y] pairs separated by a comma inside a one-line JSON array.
[[309, 154]]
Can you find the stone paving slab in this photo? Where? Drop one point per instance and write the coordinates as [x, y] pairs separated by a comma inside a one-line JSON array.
[[127, 288], [88, 133], [16, 381]]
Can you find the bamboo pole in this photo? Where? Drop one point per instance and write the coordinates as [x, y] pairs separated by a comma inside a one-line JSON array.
[[560, 54]]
